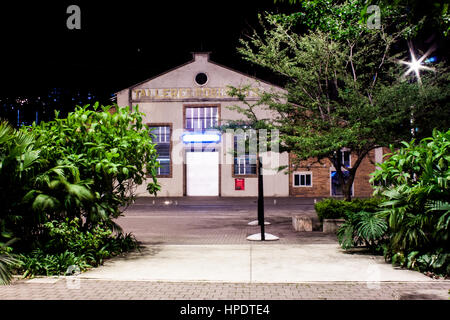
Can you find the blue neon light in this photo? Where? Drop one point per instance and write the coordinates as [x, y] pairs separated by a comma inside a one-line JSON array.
[[201, 137], [431, 60]]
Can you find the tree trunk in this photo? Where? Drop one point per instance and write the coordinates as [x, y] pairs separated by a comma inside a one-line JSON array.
[[347, 186]]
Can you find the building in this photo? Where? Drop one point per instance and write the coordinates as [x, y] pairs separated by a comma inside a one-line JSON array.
[[185, 104]]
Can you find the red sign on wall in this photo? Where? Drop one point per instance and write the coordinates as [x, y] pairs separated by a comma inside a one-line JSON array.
[[239, 184]]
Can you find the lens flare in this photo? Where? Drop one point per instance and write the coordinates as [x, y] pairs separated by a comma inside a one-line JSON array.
[[415, 65]]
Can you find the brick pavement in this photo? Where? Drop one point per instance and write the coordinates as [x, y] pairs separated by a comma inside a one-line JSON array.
[[64, 289]]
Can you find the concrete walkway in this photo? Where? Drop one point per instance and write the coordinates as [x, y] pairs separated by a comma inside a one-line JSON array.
[[250, 264], [205, 240]]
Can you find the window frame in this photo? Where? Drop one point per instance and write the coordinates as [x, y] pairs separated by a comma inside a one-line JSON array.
[[310, 173], [343, 151], [204, 105], [165, 124], [245, 175]]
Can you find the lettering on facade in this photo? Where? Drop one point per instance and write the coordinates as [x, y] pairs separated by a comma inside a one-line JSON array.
[[185, 93]]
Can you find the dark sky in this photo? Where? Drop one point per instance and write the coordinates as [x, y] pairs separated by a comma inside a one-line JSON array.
[[120, 43]]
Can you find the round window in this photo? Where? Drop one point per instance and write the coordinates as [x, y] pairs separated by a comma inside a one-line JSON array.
[[201, 78]]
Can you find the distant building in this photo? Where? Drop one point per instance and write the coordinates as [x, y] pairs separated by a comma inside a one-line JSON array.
[[185, 104]]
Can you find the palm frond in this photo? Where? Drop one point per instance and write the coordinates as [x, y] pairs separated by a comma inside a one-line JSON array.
[[6, 262]]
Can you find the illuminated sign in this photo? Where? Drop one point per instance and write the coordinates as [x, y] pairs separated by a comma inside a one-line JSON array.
[[202, 137]]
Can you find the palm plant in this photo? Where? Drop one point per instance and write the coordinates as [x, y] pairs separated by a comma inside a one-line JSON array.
[[32, 191], [362, 228], [415, 180], [7, 260]]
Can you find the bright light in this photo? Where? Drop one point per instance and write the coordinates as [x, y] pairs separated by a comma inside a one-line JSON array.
[[416, 65], [201, 137]]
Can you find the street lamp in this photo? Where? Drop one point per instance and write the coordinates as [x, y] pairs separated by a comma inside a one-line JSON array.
[[416, 64]]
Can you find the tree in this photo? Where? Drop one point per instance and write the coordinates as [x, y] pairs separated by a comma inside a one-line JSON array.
[[113, 152], [340, 81], [410, 15]]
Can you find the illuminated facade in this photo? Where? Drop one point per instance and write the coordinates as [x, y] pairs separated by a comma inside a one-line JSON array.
[[184, 106]]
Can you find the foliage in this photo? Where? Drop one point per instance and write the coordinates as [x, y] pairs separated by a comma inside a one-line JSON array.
[[113, 152], [40, 263], [363, 228], [332, 208], [24, 172], [437, 260], [82, 169], [7, 260], [415, 181], [340, 16], [67, 245], [343, 86]]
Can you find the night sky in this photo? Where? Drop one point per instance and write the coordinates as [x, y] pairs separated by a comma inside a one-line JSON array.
[[120, 43]]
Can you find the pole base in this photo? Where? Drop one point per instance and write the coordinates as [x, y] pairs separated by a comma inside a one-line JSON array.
[[255, 223], [257, 237]]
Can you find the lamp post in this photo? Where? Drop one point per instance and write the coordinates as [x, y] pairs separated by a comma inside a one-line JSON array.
[[262, 236], [415, 65]]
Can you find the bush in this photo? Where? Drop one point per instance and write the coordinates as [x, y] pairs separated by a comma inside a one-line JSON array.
[[338, 209], [7, 260], [81, 169], [38, 262], [30, 186], [68, 245], [415, 180], [113, 153], [363, 228]]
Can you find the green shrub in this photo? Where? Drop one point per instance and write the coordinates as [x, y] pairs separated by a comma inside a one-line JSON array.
[[38, 262], [31, 187], [113, 153], [363, 228], [68, 245], [415, 180], [331, 208], [7, 259], [63, 182]]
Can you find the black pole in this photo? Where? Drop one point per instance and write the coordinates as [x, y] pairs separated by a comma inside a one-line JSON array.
[[261, 199]]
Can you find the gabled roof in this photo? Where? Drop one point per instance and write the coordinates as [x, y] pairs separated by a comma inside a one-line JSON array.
[[194, 56]]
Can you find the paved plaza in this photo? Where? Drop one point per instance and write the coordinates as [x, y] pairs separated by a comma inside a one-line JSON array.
[[69, 289], [197, 249]]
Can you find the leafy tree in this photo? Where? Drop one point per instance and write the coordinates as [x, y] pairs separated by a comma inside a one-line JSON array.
[[113, 152], [343, 84], [411, 15]]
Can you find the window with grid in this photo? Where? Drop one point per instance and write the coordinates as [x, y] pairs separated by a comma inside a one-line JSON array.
[[244, 164], [302, 179], [200, 118], [162, 140]]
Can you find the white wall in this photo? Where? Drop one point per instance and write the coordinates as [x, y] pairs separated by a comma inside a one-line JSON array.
[[171, 111]]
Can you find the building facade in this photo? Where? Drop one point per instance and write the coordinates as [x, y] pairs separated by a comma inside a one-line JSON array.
[[184, 106]]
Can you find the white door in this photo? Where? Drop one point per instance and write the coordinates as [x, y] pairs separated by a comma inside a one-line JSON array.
[[202, 173]]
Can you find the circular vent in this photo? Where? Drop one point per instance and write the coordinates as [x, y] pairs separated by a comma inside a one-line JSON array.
[[201, 78]]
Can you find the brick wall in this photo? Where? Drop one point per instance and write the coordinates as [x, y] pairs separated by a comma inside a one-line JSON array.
[[321, 184]]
